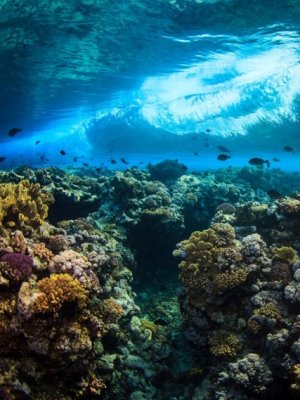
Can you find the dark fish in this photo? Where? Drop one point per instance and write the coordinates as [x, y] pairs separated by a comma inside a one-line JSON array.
[[124, 161], [274, 194], [289, 149], [43, 158], [275, 159], [258, 161], [112, 161], [185, 168], [196, 153], [2, 159], [37, 142], [223, 157], [75, 159], [223, 149], [208, 130], [85, 164], [14, 131], [98, 169], [63, 153]]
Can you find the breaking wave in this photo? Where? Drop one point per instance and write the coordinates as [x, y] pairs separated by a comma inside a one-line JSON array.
[[227, 85]]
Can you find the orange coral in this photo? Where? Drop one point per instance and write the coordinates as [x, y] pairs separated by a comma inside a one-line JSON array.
[[57, 290], [42, 255]]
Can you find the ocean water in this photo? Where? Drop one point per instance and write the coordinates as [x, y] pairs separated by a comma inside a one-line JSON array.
[[126, 126], [149, 80]]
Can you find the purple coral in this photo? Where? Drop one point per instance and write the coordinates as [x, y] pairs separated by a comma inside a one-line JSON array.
[[20, 265]]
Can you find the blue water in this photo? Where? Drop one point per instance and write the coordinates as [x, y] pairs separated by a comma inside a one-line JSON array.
[[149, 81]]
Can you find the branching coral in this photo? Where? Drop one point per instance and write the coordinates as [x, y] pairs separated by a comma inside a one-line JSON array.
[[23, 205], [50, 294], [57, 290], [73, 263], [223, 344]]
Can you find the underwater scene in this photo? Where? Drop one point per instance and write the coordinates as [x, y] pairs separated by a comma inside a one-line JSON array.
[[150, 200]]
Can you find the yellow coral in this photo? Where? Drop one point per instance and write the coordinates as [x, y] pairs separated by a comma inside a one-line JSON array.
[[284, 253], [57, 290], [22, 205], [223, 344], [259, 209], [202, 264], [289, 205], [269, 310], [150, 325], [229, 279], [295, 386], [8, 306], [111, 311]]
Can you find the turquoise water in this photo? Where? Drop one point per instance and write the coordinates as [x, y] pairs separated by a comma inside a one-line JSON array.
[[148, 80]]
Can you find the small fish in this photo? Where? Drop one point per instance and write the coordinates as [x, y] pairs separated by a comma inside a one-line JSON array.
[[223, 149], [2, 159], [98, 169], [75, 159], [274, 194], [14, 131], [258, 161], [196, 153], [223, 157], [185, 168], [112, 161], [124, 161], [37, 142], [275, 159], [63, 153], [289, 149], [208, 130], [43, 158], [85, 164]]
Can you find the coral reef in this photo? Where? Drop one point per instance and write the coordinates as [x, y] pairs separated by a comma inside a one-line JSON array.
[[238, 303], [70, 324]]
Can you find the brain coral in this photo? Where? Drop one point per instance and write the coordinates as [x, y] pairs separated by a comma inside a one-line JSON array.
[[23, 205]]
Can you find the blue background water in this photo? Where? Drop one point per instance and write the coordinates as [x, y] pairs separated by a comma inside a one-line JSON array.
[[150, 80]]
